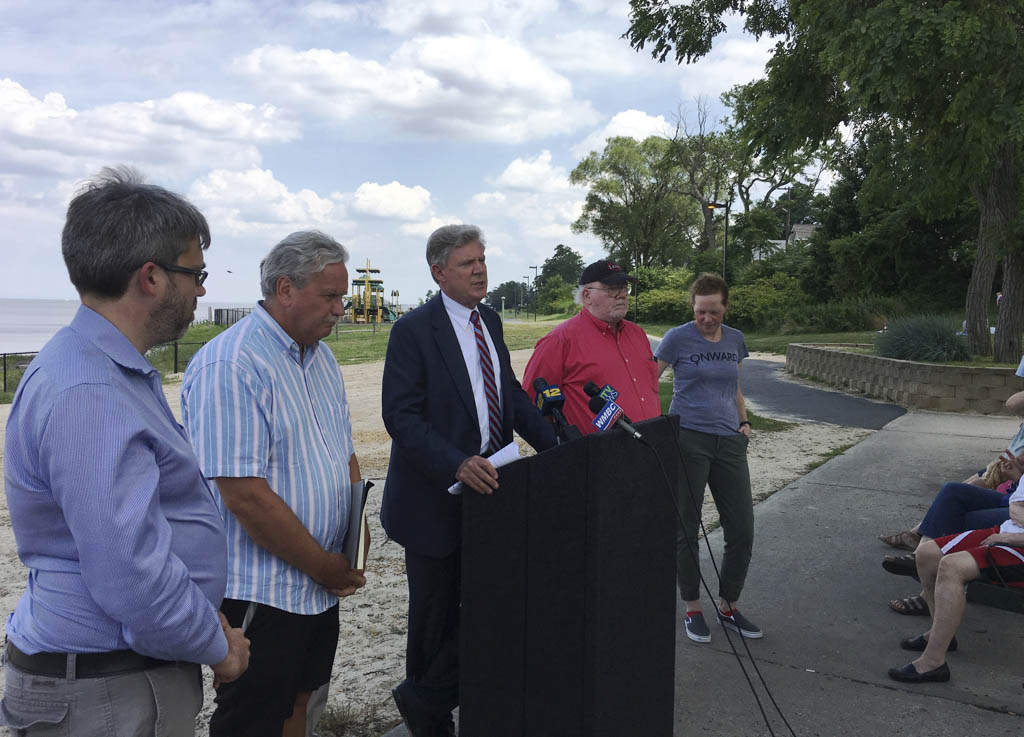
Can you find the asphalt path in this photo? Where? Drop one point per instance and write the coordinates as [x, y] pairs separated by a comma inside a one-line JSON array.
[[771, 393]]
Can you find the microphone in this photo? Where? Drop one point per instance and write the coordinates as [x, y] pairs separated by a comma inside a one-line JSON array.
[[606, 393], [549, 401], [609, 413]]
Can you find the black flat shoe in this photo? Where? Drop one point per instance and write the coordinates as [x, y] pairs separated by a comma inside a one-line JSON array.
[[919, 643], [901, 565], [908, 674]]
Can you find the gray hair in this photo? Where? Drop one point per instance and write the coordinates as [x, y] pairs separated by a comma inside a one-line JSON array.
[[577, 293], [116, 223], [300, 256], [447, 238]]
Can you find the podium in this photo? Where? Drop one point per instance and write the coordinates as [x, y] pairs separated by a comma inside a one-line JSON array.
[[569, 591]]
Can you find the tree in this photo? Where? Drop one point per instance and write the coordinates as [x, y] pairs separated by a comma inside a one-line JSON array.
[[512, 292], [634, 204], [555, 295], [707, 160], [947, 75], [565, 263]]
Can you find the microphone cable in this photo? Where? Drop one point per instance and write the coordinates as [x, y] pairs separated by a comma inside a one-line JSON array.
[[707, 589]]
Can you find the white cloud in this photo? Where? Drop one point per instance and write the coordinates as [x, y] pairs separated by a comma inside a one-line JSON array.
[[632, 123], [392, 200], [732, 61], [407, 17], [592, 53], [536, 196], [187, 130], [322, 10], [254, 201], [471, 87], [616, 8], [426, 227], [537, 175]]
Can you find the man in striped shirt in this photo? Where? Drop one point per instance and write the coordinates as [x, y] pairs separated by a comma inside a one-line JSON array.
[[265, 407]]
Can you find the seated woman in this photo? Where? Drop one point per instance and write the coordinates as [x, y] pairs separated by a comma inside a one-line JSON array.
[[1007, 467], [956, 508], [946, 565]]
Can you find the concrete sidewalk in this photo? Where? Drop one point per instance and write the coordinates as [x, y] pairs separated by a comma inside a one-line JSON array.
[[818, 590]]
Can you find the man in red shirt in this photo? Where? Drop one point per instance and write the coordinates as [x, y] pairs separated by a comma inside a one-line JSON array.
[[601, 346]]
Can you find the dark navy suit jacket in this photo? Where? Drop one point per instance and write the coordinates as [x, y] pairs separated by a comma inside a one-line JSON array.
[[430, 413]]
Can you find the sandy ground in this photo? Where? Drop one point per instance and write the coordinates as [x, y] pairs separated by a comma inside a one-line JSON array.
[[370, 657]]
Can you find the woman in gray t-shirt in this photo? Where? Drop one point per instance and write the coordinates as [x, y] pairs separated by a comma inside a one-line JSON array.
[[705, 357]]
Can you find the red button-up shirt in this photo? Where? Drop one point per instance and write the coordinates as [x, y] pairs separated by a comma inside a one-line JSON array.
[[584, 349]]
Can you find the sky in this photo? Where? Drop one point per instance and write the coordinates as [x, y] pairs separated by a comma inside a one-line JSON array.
[[375, 122]]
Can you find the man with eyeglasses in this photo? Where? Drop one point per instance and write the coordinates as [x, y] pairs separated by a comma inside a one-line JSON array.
[[601, 346], [264, 403], [119, 530]]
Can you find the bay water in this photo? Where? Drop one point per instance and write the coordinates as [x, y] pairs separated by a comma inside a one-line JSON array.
[[26, 324]]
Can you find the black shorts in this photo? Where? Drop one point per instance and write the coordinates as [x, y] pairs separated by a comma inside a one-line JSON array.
[[289, 654]]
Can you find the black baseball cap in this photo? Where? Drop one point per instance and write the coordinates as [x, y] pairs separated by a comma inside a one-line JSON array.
[[606, 272]]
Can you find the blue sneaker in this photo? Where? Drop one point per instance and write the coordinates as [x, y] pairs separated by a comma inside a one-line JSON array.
[[738, 623], [696, 628]]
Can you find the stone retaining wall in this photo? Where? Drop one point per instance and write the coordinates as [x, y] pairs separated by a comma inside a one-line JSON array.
[[911, 384]]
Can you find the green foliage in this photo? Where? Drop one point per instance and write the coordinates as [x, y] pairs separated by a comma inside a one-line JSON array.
[[854, 313], [710, 261], [923, 338], [664, 295], [751, 231], [634, 203], [669, 305], [565, 263], [512, 291], [555, 295], [766, 303], [16, 364], [168, 360]]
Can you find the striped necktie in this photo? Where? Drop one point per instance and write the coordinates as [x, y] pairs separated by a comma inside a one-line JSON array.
[[490, 386]]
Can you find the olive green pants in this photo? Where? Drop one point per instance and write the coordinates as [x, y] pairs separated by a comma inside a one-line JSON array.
[[719, 462]]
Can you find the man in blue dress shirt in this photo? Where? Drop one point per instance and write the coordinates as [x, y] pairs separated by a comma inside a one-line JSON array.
[[120, 532], [264, 403]]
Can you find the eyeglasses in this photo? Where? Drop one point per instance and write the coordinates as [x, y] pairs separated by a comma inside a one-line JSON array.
[[614, 291], [198, 274]]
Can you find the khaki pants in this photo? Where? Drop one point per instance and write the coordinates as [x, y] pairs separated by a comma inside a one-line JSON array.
[[162, 702]]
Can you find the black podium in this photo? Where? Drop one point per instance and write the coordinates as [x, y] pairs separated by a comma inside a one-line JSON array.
[[568, 592]]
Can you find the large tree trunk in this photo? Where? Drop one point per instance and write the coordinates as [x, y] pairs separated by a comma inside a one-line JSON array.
[[707, 241], [979, 290], [997, 208], [1011, 309]]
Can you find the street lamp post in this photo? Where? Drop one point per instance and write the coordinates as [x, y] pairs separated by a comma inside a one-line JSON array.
[[725, 244], [526, 294], [534, 286]]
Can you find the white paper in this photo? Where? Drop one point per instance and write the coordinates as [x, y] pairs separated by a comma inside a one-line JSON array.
[[502, 458]]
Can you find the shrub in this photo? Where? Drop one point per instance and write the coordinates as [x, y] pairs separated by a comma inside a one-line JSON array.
[[853, 313], [923, 338], [766, 304], [667, 305]]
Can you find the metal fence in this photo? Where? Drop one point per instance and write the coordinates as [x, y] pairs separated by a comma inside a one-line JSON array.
[[14, 366]]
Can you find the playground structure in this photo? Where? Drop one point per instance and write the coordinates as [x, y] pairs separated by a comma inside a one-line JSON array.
[[367, 303]]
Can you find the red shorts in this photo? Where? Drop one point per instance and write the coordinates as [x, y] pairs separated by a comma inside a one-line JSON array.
[[998, 563]]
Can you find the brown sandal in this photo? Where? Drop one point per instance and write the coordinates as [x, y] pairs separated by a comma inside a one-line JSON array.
[[905, 540], [912, 606]]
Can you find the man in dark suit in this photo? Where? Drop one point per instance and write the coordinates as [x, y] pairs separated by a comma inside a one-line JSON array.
[[450, 399]]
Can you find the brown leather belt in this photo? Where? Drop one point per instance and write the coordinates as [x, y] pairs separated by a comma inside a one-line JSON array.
[[87, 665]]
